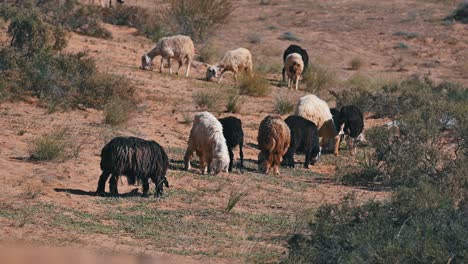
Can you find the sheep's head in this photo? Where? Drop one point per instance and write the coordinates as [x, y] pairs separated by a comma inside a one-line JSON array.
[[145, 62], [217, 165], [262, 163], [211, 72]]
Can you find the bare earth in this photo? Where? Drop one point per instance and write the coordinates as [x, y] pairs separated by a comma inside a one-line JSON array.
[[51, 204]]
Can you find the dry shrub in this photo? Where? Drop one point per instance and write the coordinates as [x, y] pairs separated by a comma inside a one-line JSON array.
[[356, 63], [284, 105], [209, 54], [254, 84], [118, 112], [318, 78], [197, 18], [205, 100], [54, 146], [233, 103]]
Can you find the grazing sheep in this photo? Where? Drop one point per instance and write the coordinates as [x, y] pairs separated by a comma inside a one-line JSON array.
[[294, 67], [236, 61], [305, 138], [207, 140], [296, 49], [234, 135], [273, 141], [316, 110], [350, 122], [177, 47], [135, 158]]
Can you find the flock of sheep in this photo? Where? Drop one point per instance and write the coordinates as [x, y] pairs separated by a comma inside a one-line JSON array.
[[213, 140]]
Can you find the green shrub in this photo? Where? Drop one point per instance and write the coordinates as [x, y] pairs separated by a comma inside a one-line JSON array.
[[283, 105], [55, 146], [417, 226], [197, 18], [254, 85], [149, 23]]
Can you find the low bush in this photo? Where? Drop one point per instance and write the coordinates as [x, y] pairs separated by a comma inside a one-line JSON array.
[[422, 158], [283, 105], [32, 66], [205, 100], [118, 112], [148, 22], [233, 103], [356, 63], [255, 84], [55, 146], [318, 78]]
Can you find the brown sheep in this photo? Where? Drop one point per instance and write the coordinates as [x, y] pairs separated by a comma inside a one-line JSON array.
[[273, 141]]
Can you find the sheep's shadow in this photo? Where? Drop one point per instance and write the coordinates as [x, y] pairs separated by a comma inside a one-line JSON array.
[[132, 193]]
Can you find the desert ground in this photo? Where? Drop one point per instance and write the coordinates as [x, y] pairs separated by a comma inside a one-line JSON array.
[[51, 204]]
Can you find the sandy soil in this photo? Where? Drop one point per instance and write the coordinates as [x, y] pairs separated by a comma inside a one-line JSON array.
[[333, 31]]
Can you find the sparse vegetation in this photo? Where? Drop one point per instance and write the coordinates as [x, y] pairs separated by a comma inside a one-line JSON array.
[[254, 38], [55, 146], [32, 66], [233, 103], [234, 198], [253, 85], [356, 63], [401, 45], [460, 13], [284, 105], [318, 78], [289, 36], [150, 23], [267, 65], [209, 54], [205, 100]]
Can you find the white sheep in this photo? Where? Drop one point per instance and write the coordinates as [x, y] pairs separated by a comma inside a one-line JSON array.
[[207, 140], [177, 47], [236, 61], [294, 67], [316, 110]]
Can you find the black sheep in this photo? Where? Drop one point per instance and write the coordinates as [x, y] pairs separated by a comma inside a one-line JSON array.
[[135, 158], [296, 49], [305, 138], [234, 135]]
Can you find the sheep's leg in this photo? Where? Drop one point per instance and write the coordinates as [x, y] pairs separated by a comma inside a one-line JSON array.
[[221, 76], [170, 66], [203, 166], [235, 77], [161, 65], [289, 83], [241, 155], [102, 183], [283, 74], [180, 65], [145, 187], [188, 156], [308, 159], [231, 159], [297, 82], [188, 67], [113, 184], [336, 140]]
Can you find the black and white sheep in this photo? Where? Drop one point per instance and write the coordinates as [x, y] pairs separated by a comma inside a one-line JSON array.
[[234, 135], [349, 121], [317, 111], [294, 67], [138, 160], [177, 47], [305, 138], [296, 49]]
